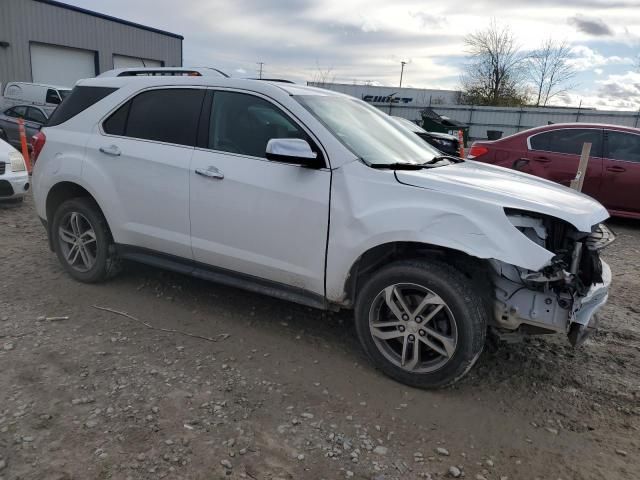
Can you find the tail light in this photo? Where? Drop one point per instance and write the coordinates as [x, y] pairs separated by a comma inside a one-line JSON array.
[[37, 143], [477, 151]]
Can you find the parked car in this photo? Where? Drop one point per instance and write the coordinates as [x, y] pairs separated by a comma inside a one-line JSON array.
[[318, 198], [553, 152], [444, 142], [34, 118], [22, 93], [14, 179]]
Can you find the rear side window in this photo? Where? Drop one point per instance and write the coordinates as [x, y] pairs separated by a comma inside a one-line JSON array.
[[568, 141], [167, 115], [78, 101], [35, 115], [623, 146]]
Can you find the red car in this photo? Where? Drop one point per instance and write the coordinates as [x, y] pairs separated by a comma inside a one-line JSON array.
[[553, 152]]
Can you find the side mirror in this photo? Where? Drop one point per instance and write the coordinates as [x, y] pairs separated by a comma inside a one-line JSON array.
[[292, 150]]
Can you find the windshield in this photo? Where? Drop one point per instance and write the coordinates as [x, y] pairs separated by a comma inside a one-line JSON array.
[[64, 93], [369, 133]]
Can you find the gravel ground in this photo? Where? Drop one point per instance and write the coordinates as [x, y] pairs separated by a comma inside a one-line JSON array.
[[278, 391]]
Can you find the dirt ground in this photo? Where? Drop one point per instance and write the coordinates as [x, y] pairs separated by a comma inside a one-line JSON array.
[[280, 391]]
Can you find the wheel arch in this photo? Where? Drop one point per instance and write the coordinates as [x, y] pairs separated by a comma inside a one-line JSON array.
[[61, 192], [375, 258]]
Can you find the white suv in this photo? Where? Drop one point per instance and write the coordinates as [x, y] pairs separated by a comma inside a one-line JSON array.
[[318, 198]]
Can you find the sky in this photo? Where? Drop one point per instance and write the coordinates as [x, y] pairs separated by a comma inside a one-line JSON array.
[[361, 41]]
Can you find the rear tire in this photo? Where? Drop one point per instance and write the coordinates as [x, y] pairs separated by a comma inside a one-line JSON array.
[[82, 241], [421, 322]]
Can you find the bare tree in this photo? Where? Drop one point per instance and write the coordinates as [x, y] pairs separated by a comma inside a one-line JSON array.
[[494, 75], [550, 70], [323, 76]]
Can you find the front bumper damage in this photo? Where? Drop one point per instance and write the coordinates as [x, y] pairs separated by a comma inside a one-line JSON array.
[[561, 298]]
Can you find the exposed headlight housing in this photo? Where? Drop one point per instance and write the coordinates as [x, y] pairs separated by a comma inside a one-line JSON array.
[[17, 162]]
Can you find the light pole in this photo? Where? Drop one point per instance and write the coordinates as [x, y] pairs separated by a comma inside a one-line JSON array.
[[402, 71], [260, 73]]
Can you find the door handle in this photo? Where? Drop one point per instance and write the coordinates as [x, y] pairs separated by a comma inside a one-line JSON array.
[[616, 169], [112, 150], [541, 159], [211, 172]]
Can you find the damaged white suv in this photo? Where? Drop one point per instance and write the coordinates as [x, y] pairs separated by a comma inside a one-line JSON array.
[[318, 198]]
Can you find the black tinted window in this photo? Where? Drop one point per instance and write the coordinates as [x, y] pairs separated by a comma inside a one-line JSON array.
[[244, 124], [17, 112], [117, 122], [568, 141], [168, 115], [35, 115], [53, 97], [78, 100], [623, 146]]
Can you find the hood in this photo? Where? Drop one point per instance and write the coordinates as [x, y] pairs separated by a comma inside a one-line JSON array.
[[509, 189]]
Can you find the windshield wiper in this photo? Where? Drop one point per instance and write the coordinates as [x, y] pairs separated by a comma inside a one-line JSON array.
[[398, 166], [439, 158]]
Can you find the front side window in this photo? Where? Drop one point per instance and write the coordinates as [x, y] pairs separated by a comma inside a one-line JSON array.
[[568, 141], [368, 133], [167, 115], [623, 146], [53, 97], [35, 115], [17, 112], [244, 124]]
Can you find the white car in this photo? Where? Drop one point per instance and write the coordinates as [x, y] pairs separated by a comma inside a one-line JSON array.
[[318, 198], [48, 97], [14, 179]]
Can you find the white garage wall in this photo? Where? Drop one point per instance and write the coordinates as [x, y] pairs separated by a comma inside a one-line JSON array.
[[124, 61], [61, 66]]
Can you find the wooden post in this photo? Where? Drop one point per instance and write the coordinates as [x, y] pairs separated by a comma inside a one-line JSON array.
[[461, 141], [577, 182], [23, 144]]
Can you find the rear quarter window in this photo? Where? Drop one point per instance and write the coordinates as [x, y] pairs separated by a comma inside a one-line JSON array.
[[78, 101]]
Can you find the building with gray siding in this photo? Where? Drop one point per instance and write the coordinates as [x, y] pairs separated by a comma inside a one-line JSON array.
[[46, 41]]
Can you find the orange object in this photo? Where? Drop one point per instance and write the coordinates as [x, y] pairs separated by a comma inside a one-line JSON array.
[[461, 140], [23, 144]]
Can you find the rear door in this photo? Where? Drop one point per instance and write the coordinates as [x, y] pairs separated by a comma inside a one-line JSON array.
[[33, 121], [139, 162], [620, 190], [555, 155]]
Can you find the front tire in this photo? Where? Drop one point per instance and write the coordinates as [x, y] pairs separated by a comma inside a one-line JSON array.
[[421, 322], [82, 241]]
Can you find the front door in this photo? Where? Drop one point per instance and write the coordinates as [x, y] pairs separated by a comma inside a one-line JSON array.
[[555, 155], [620, 190], [254, 216]]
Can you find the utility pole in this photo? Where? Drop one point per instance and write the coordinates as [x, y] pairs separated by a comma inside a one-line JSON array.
[[260, 74], [402, 71]]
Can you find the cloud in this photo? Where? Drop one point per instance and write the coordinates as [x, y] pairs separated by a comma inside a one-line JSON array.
[[622, 89], [586, 59], [427, 20], [591, 26]]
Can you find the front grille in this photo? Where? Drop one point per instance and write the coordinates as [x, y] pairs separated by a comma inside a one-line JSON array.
[[3, 167]]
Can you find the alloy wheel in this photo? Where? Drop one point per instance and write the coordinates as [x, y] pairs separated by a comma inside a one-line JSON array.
[[413, 328], [78, 241]]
